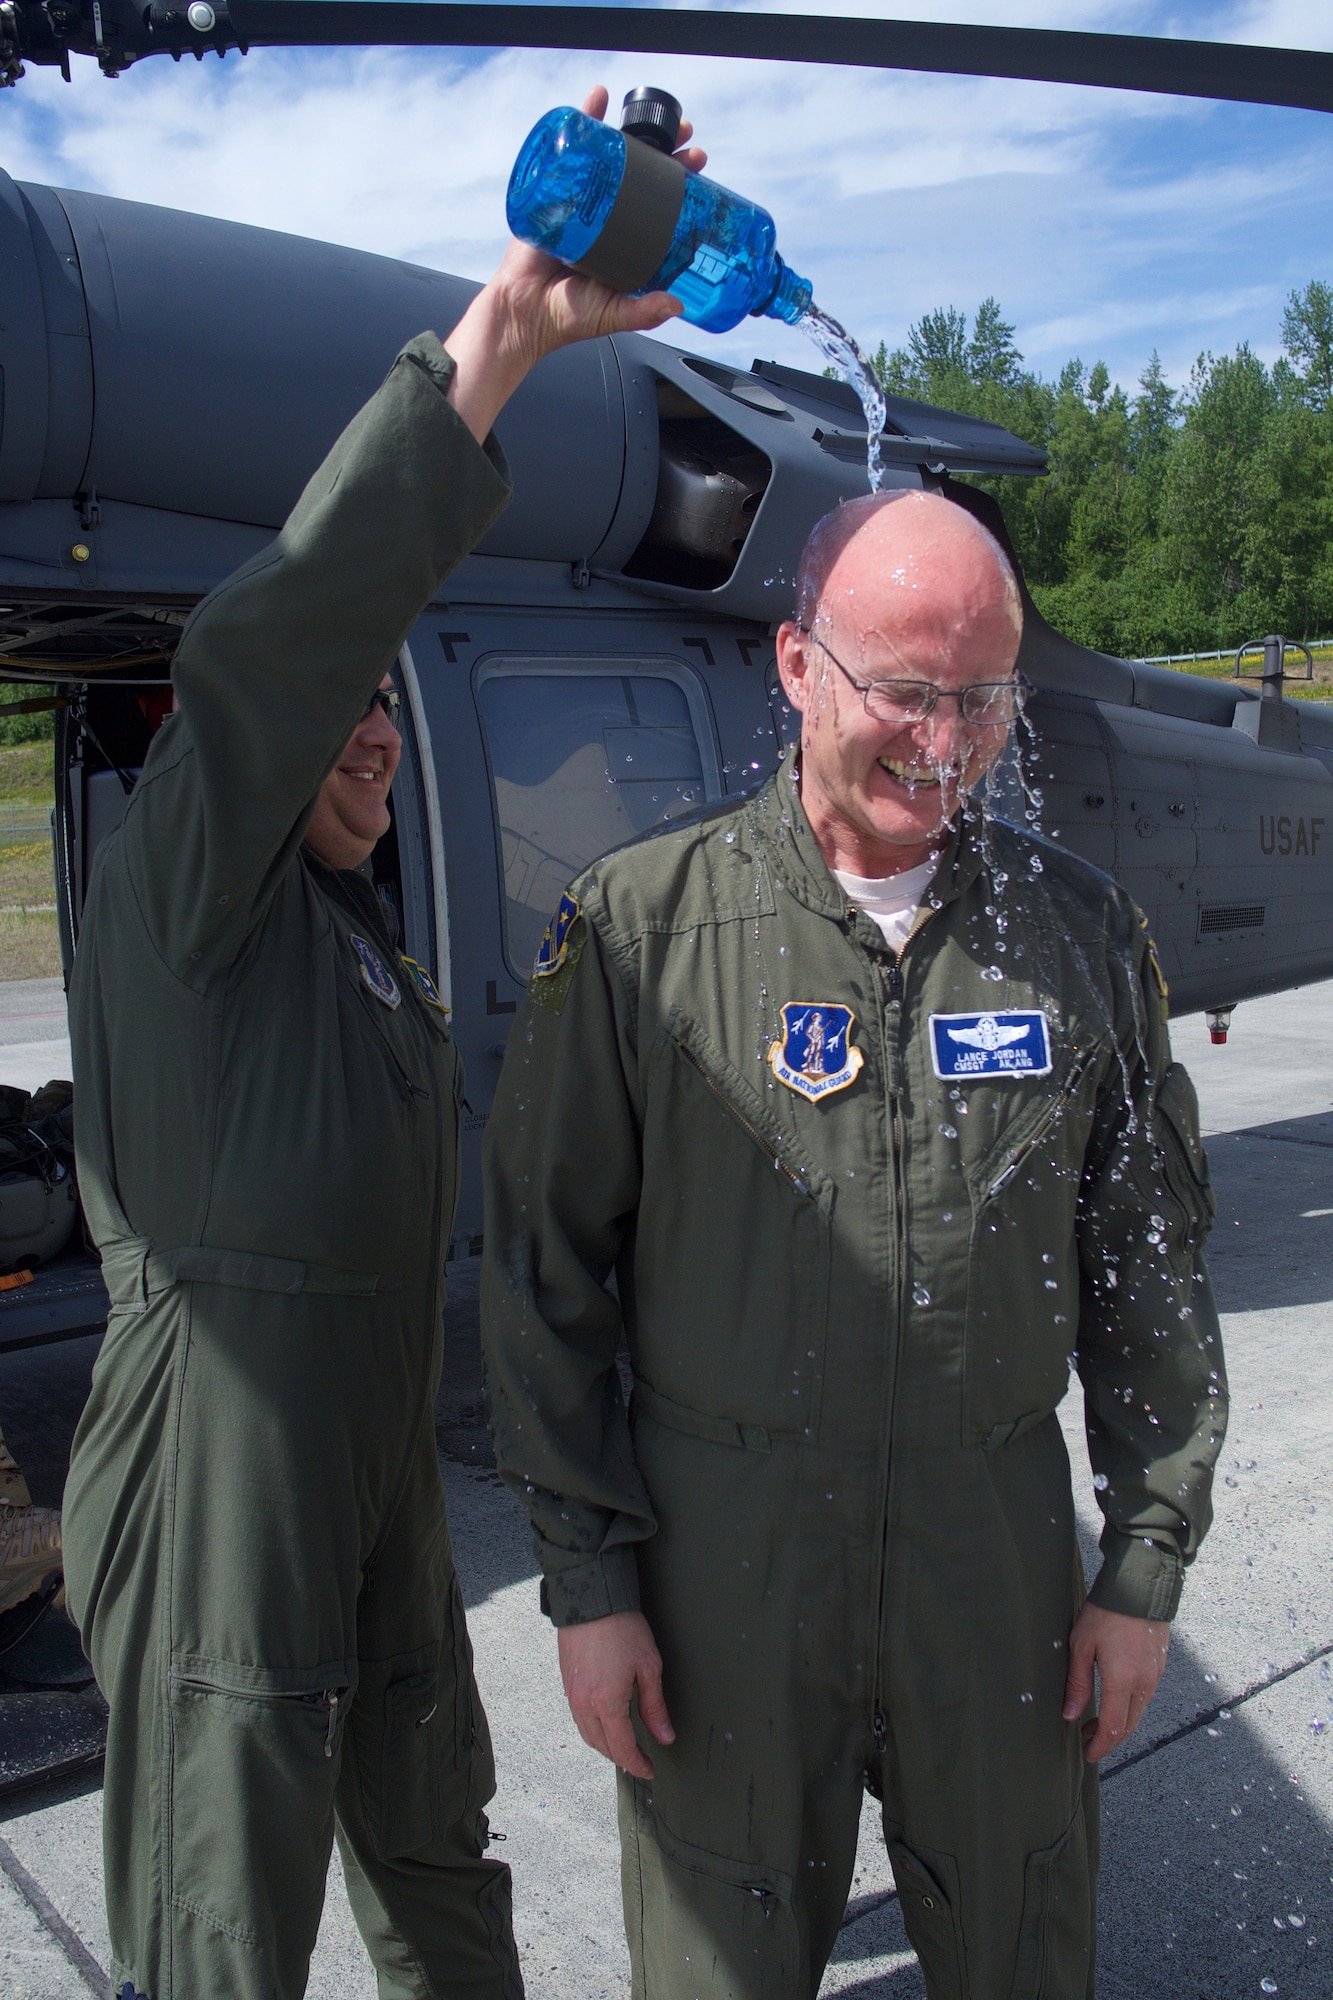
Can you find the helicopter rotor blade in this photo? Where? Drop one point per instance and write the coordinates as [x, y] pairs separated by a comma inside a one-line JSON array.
[[1239, 72], [117, 33]]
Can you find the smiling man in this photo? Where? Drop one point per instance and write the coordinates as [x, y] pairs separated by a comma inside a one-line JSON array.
[[864, 1100], [256, 1545]]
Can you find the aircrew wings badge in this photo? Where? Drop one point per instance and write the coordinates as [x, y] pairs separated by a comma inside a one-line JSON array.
[[815, 1056], [554, 947]]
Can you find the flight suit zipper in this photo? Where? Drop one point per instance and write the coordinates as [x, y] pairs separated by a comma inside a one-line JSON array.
[[893, 980], [764, 1144]]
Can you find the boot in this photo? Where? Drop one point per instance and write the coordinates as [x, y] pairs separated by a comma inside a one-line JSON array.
[[29, 1551]]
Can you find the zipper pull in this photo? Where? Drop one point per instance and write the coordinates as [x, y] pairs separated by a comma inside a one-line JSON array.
[[333, 1698], [893, 980], [879, 1729]]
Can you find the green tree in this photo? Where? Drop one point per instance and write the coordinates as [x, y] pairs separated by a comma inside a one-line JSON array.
[[1170, 520], [1307, 335]]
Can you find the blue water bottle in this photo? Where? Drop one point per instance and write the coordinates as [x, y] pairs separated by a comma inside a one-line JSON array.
[[617, 206]]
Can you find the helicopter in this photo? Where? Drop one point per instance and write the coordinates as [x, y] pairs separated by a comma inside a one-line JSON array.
[[604, 661]]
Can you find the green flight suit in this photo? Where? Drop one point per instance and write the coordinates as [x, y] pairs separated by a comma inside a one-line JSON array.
[[256, 1546], [840, 1493]]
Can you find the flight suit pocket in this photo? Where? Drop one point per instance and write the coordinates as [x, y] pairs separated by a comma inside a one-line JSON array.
[[1184, 1162], [740, 1241], [687, 1904], [1023, 1277], [253, 1769], [409, 1766], [433, 1763], [421, 1745], [1055, 1942], [931, 1918]]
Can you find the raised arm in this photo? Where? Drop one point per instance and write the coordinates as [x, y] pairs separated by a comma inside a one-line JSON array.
[[277, 665]]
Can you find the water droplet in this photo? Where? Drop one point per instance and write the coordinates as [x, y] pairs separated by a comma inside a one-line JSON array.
[[948, 1131], [1296, 1921], [1025, 1697], [992, 972], [1268, 1985], [1100, 1481], [920, 1296]]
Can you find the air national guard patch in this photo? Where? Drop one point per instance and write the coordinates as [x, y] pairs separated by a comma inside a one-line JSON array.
[[554, 947], [968, 1045], [424, 984], [815, 1056], [375, 973]]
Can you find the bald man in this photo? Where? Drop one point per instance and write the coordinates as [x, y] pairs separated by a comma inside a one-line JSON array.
[[852, 1109]]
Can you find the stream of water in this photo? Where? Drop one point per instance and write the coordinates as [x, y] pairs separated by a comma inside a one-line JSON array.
[[836, 345]]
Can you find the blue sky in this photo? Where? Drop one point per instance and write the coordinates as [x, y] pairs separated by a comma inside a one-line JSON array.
[[1106, 223]]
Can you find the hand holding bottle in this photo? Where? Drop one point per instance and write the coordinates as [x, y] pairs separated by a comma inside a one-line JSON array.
[[535, 304]]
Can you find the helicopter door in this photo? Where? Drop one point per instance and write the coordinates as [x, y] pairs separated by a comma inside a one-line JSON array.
[[582, 757], [542, 762]]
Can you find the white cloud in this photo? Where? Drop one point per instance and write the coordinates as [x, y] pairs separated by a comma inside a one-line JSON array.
[[1106, 222]]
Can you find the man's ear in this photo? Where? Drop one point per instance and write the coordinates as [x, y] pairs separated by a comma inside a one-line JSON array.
[[793, 663]]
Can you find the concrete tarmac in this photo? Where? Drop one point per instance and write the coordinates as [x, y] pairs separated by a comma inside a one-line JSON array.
[[1217, 1876]]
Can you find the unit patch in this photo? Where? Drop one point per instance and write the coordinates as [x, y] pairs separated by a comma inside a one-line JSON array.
[[815, 1056], [424, 984], [375, 973], [554, 947], [965, 1045]]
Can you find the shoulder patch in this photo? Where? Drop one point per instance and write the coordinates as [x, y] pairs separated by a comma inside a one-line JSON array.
[[554, 947], [558, 954], [814, 1055], [423, 982], [375, 974]]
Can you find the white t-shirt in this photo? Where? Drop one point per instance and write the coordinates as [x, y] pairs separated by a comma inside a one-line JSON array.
[[892, 900]]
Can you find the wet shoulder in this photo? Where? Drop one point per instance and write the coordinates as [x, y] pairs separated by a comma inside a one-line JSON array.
[[1045, 884], [708, 869]]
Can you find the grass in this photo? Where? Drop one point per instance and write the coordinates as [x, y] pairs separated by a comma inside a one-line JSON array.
[[1319, 689], [29, 936], [27, 774]]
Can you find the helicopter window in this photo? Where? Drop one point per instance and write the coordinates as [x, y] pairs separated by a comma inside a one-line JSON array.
[[580, 762]]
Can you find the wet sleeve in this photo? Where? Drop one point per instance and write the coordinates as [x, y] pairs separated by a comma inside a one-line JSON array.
[[562, 1179], [276, 666], [1149, 1346]]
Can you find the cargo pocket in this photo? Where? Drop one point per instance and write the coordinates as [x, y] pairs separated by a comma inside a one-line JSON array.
[[1184, 1162], [684, 1904], [931, 1917], [423, 1750], [1055, 1942], [253, 1768]]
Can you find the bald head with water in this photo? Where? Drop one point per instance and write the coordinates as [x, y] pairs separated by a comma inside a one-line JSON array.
[[901, 587]]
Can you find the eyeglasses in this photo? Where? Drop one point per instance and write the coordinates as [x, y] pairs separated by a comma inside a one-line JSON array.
[[986, 704], [390, 700]]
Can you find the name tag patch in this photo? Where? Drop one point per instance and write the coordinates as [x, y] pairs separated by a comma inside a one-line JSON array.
[[815, 1056], [375, 973], [1012, 1044]]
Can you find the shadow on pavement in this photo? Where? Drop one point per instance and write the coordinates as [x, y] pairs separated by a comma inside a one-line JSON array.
[[1273, 1241]]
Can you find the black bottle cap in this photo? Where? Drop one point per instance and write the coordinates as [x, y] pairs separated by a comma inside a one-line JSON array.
[[653, 116]]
